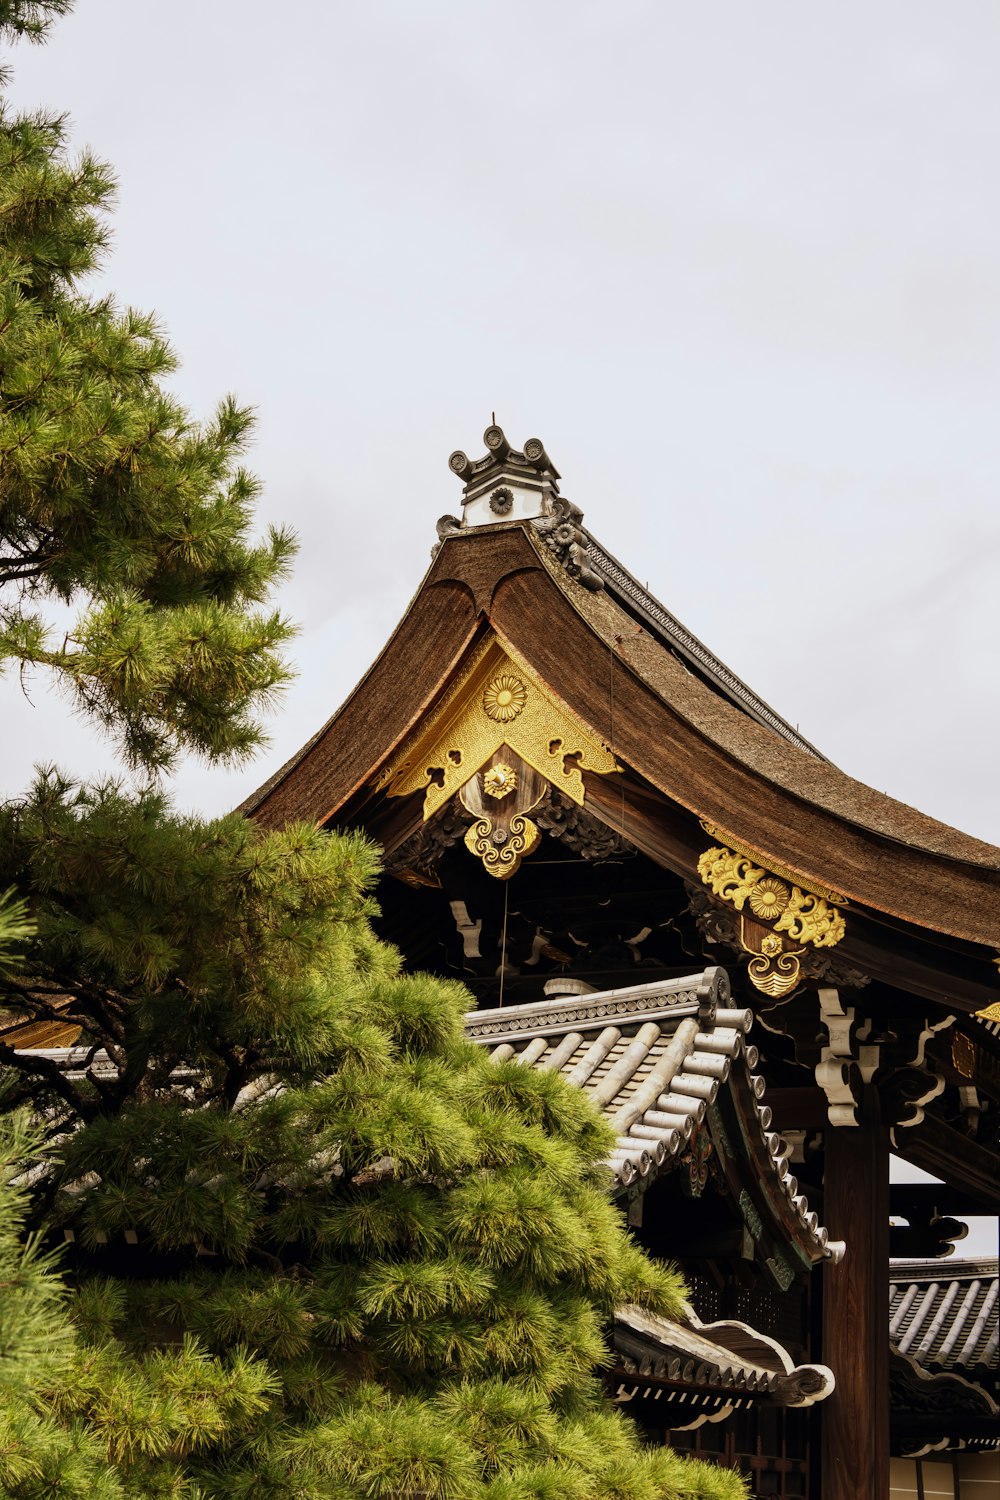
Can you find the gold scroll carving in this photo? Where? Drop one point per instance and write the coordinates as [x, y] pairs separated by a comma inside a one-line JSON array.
[[502, 859], [500, 798], [495, 704], [991, 1012], [778, 915]]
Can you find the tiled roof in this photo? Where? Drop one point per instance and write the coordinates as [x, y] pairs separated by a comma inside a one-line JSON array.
[[654, 1058], [668, 1355], [945, 1318]]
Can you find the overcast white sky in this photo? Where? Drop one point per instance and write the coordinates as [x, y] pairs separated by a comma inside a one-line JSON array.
[[738, 266]]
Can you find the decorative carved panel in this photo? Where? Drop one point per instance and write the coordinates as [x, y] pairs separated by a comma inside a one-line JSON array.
[[780, 918], [496, 704]]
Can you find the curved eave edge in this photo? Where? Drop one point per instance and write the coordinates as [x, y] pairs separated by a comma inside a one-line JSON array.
[[653, 1136], [811, 782], [943, 1381], [780, 769], [444, 665], [659, 1348]]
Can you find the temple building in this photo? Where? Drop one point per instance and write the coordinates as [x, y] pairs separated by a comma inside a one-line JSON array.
[[767, 975]]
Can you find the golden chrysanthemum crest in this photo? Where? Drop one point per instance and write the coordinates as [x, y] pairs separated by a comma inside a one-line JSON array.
[[504, 698], [768, 898]]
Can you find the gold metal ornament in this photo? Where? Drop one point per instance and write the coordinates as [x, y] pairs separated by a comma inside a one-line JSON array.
[[495, 703], [504, 698], [499, 781], [768, 898], [991, 1013], [774, 971], [805, 916], [794, 914], [499, 799], [809, 919], [502, 849], [963, 1055]]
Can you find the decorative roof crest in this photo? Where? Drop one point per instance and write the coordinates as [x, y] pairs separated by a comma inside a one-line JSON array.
[[510, 486], [506, 485]]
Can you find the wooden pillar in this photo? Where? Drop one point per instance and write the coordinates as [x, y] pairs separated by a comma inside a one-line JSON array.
[[855, 1418]]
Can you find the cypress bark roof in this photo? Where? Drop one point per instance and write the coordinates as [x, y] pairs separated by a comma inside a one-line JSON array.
[[691, 740]]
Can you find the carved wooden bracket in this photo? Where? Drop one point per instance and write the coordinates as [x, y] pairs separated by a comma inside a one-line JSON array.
[[847, 1062], [851, 1058]]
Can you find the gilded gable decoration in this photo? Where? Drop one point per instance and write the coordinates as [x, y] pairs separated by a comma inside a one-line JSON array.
[[499, 741], [778, 915], [496, 702], [499, 799]]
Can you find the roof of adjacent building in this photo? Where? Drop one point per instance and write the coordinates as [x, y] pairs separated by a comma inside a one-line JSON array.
[[727, 1359], [945, 1316], [654, 1058]]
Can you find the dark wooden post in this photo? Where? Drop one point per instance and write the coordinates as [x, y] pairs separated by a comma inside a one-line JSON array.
[[855, 1419]]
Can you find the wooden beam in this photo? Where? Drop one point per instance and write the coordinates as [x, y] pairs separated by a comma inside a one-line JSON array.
[[958, 1160], [798, 1109], [855, 1418]]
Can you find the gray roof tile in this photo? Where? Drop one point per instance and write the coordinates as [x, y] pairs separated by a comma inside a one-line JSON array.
[[653, 1057], [944, 1316]]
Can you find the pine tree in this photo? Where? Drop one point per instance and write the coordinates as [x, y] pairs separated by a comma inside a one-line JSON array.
[[317, 1245], [367, 1260], [112, 500], [40, 1455]]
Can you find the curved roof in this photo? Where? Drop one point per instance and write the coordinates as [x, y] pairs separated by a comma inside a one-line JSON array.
[[945, 1316], [725, 1359], [943, 1355], [702, 753]]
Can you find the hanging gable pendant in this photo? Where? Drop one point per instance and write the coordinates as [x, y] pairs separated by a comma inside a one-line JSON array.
[[496, 702], [500, 798]]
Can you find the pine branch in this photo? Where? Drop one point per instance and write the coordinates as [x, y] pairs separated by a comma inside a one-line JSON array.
[[33, 1066]]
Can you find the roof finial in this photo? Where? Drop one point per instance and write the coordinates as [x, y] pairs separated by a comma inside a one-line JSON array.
[[506, 485]]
